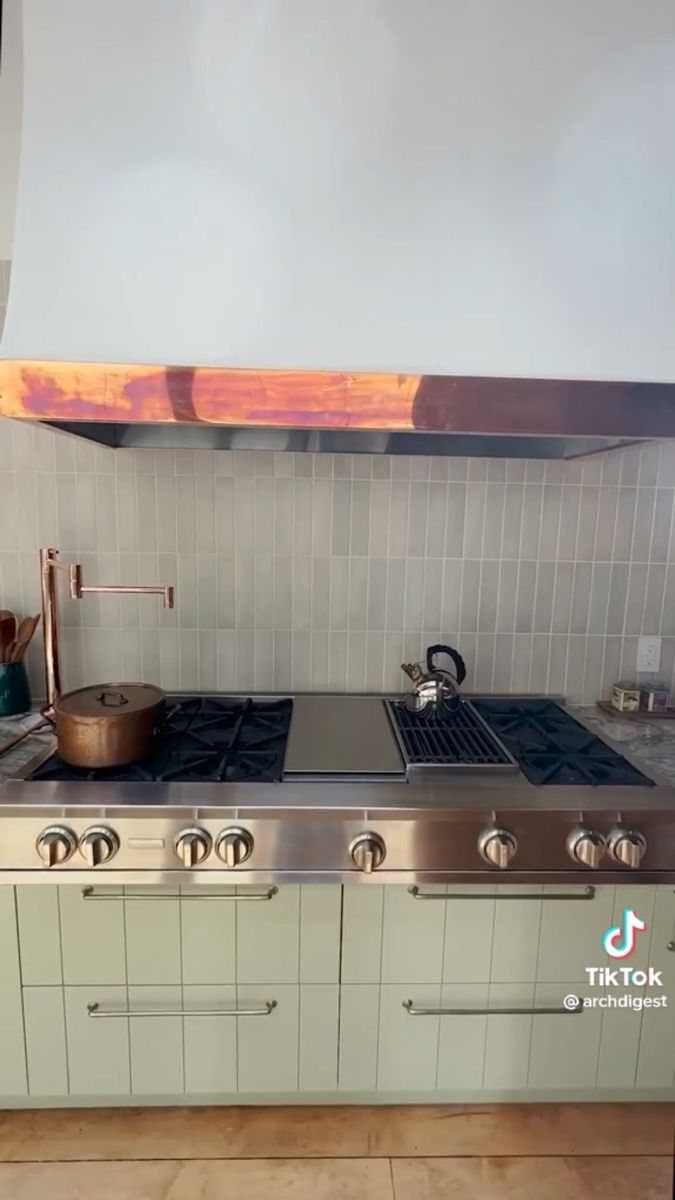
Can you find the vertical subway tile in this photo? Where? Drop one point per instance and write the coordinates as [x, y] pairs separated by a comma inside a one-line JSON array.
[[581, 597], [506, 599], [487, 605], [544, 589], [550, 521], [494, 519], [185, 513], [301, 585], [319, 664], [359, 537], [541, 645], [651, 619], [592, 682], [433, 594], [282, 517], [576, 659], [263, 592], [321, 517], [611, 467], [557, 669], [341, 517], [301, 661], [396, 594], [618, 590], [562, 597], [452, 591], [569, 521], [663, 521], [600, 582], [501, 678], [454, 520], [377, 592], [398, 519], [513, 516], [529, 538], [435, 547], [588, 518], [525, 597], [263, 523], [644, 517], [302, 516], [649, 464], [607, 511], [522, 656], [379, 516], [339, 593], [474, 520], [470, 593], [635, 601], [625, 521], [282, 592], [320, 593], [417, 519]]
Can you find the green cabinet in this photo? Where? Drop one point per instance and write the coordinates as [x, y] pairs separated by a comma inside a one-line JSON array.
[[13, 1080]]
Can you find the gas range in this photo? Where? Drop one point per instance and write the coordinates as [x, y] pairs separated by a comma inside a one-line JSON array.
[[315, 788]]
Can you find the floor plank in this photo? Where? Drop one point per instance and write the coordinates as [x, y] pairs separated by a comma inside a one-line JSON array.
[[299, 1179], [533, 1179], [346, 1132]]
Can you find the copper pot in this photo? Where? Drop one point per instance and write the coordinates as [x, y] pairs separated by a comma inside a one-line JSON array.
[[109, 725]]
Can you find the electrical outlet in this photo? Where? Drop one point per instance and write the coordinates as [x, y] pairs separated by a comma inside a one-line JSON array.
[[649, 654]]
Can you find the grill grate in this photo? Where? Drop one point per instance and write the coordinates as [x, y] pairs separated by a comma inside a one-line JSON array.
[[459, 739]]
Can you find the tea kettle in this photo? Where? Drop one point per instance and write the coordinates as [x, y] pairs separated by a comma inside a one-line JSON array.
[[435, 688]]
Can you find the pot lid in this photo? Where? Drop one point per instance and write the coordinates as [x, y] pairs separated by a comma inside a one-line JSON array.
[[109, 700]]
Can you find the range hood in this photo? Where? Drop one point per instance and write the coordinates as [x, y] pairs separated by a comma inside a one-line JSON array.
[[354, 225]]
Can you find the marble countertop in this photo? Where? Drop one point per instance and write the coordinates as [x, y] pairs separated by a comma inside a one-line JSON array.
[[650, 743]]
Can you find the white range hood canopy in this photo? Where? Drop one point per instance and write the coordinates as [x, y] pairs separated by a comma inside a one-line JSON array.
[[446, 186]]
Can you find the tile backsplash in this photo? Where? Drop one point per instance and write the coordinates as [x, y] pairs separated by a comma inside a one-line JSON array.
[[321, 571]]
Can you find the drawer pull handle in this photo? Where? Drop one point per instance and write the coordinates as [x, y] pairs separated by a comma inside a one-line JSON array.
[[89, 893], [546, 1010], [586, 893], [95, 1010]]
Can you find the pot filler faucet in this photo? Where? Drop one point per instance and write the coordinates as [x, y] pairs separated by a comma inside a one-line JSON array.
[[49, 565]]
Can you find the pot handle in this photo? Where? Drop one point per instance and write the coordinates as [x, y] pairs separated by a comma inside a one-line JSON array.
[[112, 699], [457, 659]]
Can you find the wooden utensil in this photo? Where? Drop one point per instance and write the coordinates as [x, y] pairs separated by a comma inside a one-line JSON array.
[[23, 637], [7, 632]]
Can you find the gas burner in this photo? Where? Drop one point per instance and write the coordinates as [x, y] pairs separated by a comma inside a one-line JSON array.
[[550, 747], [205, 739]]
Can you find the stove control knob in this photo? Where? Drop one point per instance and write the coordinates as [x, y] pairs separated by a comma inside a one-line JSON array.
[[55, 845], [234, 846], [368, 852], [498, 847], [193, 846], [586, 847], [98, 845], [627, 847]]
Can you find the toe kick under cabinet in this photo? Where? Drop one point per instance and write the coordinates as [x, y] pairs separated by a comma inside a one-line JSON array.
[[354, 994]]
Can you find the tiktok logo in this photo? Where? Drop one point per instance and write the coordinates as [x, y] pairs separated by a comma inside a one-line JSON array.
[[619, 940]]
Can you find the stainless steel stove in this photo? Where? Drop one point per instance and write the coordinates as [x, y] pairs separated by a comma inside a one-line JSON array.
[[347, 789]]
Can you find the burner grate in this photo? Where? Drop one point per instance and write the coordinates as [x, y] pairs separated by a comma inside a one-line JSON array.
[[455, 739], [204, 739], [550, 747]]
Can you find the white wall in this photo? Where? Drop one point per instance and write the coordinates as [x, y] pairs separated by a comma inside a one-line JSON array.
[[10, 122], [479, 186]]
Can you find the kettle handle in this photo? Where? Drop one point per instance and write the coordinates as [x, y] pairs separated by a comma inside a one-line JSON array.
[[460, 665]]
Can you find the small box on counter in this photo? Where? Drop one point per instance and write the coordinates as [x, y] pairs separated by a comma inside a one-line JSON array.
[[654, 697], [626, 697]]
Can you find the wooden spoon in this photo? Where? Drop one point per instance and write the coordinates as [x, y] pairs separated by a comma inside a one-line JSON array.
[[21, 642], [7, 632]]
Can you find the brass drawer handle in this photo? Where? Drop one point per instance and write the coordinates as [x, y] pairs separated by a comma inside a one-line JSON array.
[[586, 893], [546, 1010], [89, 893], [95, 1010]]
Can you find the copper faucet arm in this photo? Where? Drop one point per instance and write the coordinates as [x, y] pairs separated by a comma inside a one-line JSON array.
[[49, 564]]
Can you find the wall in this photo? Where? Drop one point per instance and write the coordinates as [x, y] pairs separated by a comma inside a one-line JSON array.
[[10, 123], [328, 571]]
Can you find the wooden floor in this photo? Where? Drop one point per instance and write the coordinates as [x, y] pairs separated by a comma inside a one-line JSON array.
[[542, 1152]]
